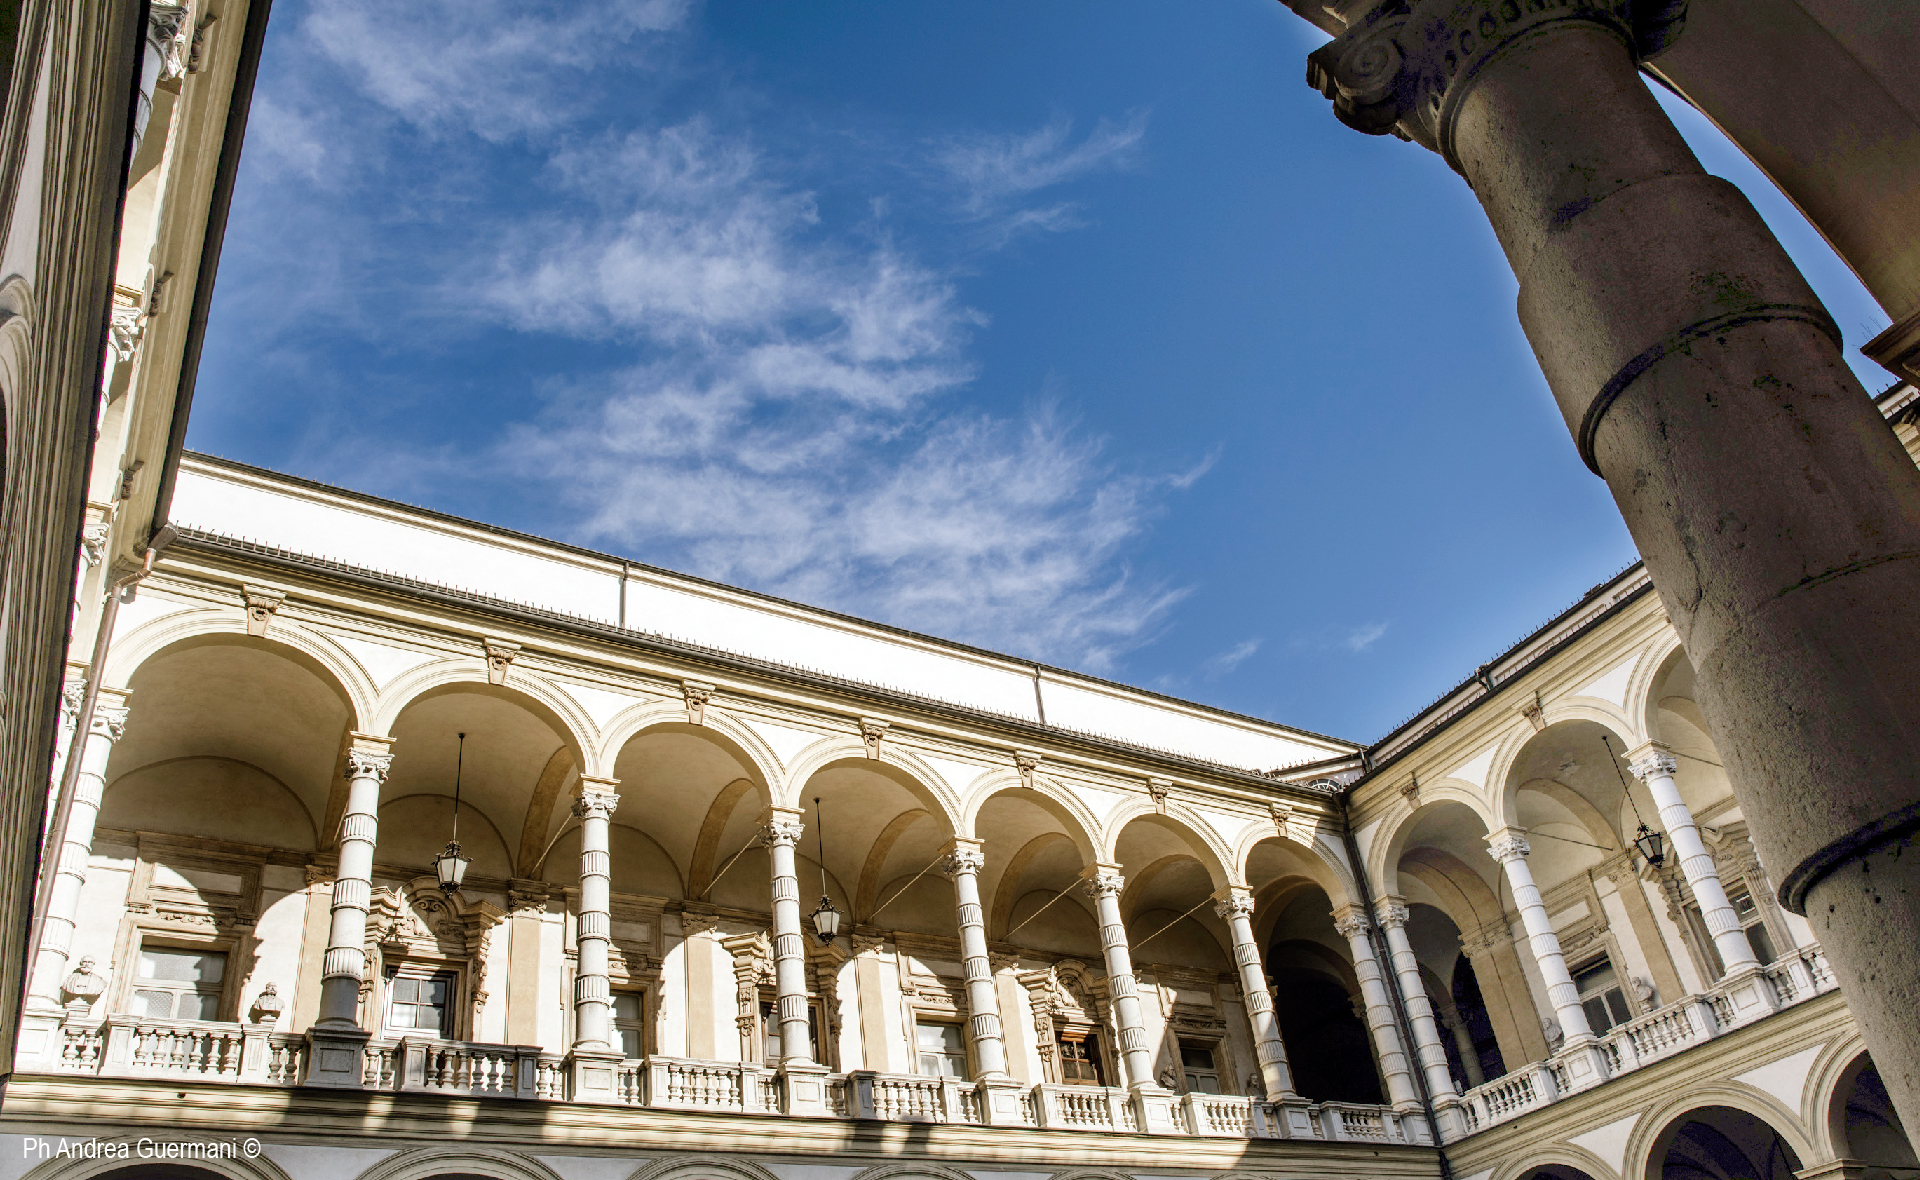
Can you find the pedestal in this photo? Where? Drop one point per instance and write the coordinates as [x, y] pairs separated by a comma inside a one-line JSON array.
[[803, 1089], [1749, 996], [1156, 1111], [593, 1075], [1000, 1102], [335, 1056]]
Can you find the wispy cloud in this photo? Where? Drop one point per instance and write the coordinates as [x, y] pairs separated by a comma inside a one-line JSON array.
[[995, 173], [1361, 638], [1221, 664]]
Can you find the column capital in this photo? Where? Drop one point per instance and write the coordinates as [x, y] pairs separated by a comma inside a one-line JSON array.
[[1649, 759], [1402, 68], [782, 825], [1508, 845], [1351, 922], [594, 797], [1104, 880], [369, 756], [1238, 903], [964, 856], [110, 713], [1390, 912]]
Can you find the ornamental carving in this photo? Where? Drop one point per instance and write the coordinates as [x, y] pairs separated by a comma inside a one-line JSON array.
[[1026, 762], [1159, 788], [1105, 884], [697, 695], [1391, 914], [779, 831], [1238, 905], [964, 860], [872, 732], [1652, 761], [371, 764], [1509, 847], [500, 657], [262, 605], [595, 803], [1353, 925], [1402, 67]]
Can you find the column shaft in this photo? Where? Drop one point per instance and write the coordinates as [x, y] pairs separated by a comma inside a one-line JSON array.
[[983, 1002], [76, 845], [1426, 1030], [1275, 1073], [1401, 1093], [1463, 1044], [345, 966], [594, 804], [783, 832], [1510, 849], [1105, 884], [1655, 767]]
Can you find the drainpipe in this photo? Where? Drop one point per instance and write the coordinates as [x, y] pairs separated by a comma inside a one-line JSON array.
[[56, 834], [1384, 955]]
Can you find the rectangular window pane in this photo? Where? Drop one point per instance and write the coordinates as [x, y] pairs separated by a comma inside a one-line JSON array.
[[1196, 1056], [199, 1006], [152, 1003], [1596, 1010], [1617, 1005], [943, 1053], [1595, 978], [630, 1042], [182, 966], [626, 1006], [1743, 905]]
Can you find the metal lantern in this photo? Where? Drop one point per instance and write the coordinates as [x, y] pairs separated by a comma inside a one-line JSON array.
[[1651, 844], [825, 919], [451, 867]]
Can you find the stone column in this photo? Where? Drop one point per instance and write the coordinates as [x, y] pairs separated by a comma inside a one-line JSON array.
[[802, 1078], [1778, 515], [1391, 913], [337, 1038], [76, 847], [1351, 922], [1236, 909], [1105, 884], [592, 1059], [1463, 1044], [1654, 765], [983, 1003], [1510, 848]]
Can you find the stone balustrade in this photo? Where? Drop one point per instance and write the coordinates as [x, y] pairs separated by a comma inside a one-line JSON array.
[[1733, 1002]]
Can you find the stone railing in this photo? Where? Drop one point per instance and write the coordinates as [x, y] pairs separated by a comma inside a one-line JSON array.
[[1735, 1001], [452, 1067], [128, 1046], [674, 1083]]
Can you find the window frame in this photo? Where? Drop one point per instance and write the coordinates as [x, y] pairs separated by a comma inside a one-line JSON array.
[[1096, 1056], [394, 970], [1212, 1048], [140, 983], [964, 1057], [1621, 987], [637, 1025]]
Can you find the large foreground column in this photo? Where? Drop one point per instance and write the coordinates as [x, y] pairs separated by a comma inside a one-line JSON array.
[[1654, 766], [336, 1036], [1237, 910], [1777, 513]]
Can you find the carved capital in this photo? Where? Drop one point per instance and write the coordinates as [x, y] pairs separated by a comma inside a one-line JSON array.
[[262, 605], [109, 716], [1350, 922], [1391, 913], [1536, 714], [1508, 845], [527, 899], [93, 543], [594, 798], [1650, 760], [1234, 905], [965, 858], [1403, 66], [782, 829], [1105, 883], [366, 761], [500, 657]]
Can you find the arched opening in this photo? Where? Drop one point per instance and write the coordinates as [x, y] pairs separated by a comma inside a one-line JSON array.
[[1470, 1010], [1318, 1003], [1867, 1129], [1554, 1172], [1721, 1143]]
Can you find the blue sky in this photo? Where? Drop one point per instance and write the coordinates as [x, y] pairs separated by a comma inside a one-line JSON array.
[[1078, 330]]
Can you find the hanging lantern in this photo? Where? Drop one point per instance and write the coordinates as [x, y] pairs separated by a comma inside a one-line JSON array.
[[825, 919], [450, 867], [1651, 844]]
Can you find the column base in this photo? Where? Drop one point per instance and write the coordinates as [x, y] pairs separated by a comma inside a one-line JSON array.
[[335, 1057], [1157, 1110], [803, 1089], [1450, 1114], [1583, 1065], [1000, 1102], [40, 1040], [593, 1075], [1749, 997]]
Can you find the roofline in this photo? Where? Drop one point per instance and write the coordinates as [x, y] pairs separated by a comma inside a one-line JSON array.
[[916, 636], [1436, 724], [195, 540]]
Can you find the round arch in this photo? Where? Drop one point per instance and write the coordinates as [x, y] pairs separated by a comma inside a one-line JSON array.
[[1643, 703], [1080, 824], [1655, 1132], [190, 629], [1199, 837], [1390, 845], [459, 1159], [753, 753], [469, 675], [702, 1167], [914, 776], [912, 1171], [1562, 728]]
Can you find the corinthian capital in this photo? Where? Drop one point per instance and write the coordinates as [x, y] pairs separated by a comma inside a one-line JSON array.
[[1351, 922], [1105, 883], [1650, 760], [1234, 905], [1402, 66], [1390, 913], [782, 829], [964, 858], [594, 798], [369, 757], [1507, 844]]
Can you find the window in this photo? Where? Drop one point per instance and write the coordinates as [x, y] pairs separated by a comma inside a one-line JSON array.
[[1080, 1059], [420, 1004], [627, 1029], [1748, 911], [943, 1051], [770, 1033], [1197, 1064], [1601, 996], [178, 984]]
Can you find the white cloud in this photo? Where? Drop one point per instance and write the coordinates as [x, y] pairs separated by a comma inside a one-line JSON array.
[[496, 68], [1226, 661], [1361, 638], [995, 169]]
